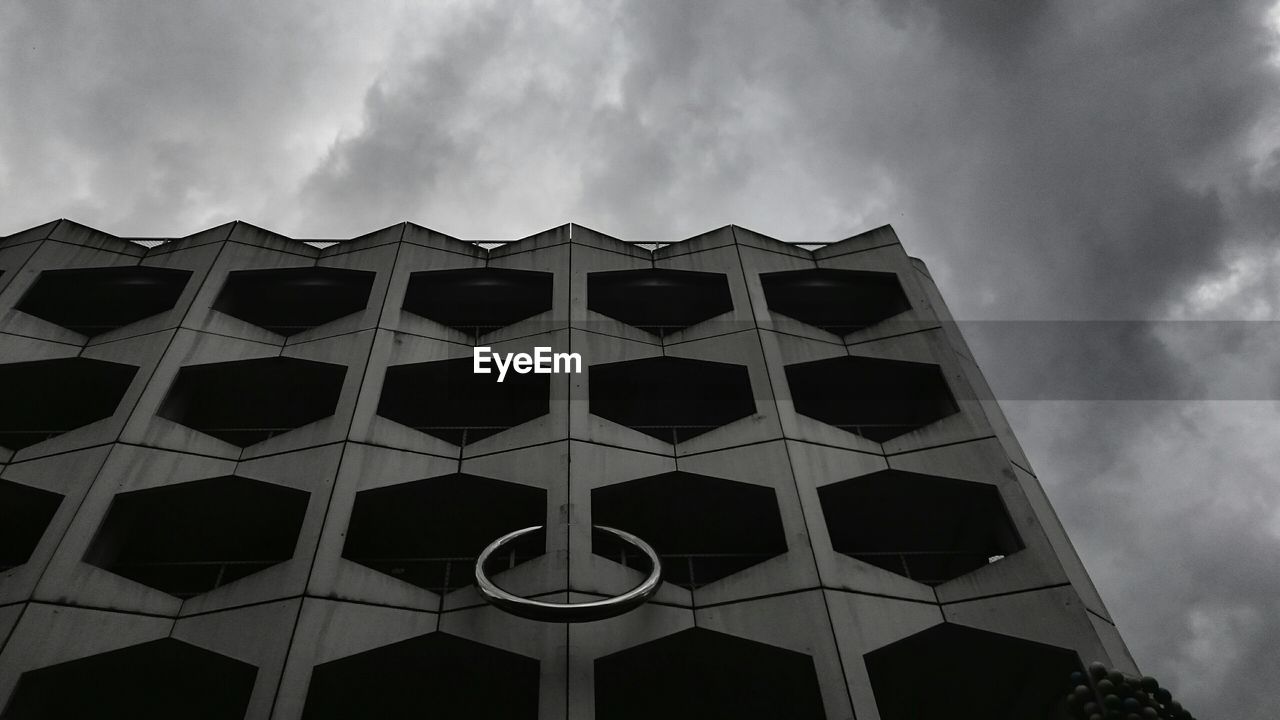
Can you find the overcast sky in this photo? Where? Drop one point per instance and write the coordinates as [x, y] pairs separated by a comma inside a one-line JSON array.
[[1076, 160]]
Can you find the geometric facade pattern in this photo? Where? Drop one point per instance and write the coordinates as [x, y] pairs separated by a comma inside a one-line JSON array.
[[429, 532], [702, 528], [292, 300], [838, 301], [93, 301], [193, 537], [926, 528], [659, 301], [478, 300], [211, 513], [46, 398]]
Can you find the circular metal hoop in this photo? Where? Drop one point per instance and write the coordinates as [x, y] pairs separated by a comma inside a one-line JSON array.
[[569, 612]]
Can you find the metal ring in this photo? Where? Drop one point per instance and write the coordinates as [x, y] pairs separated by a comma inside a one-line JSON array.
[[569, 612]]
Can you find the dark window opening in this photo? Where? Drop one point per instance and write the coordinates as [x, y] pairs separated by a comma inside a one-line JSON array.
[[190, 538], [659, 301], [291, 300], [248, 401], [158, 680], [672, 399], [703, 528], [434, 675], [25, 513], [46, 398], [447, 400], [950, 671], [927, 528], [429, 532], [877, 399], [838, 301], [478, 300], [699, 673], [92, 301]]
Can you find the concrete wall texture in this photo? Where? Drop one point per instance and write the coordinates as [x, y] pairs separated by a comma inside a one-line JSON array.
[[274, 514]]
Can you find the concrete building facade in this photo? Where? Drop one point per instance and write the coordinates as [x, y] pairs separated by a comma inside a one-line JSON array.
[[243, 475]]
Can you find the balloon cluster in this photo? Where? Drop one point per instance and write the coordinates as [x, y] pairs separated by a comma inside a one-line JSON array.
[[1103, 694]]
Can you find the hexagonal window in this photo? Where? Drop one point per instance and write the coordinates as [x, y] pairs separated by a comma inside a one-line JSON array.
[[153, 681], [25, 512], [290, 300], [877, 399], [46, 398], [92, 301], [478, 300], [838, 301], [448, 400], [433, 675], [930, 529], [703, 528], [657, 300], [190, 538], [672, 399], [699, 673], [247, 401], [429, 532], [970, 673]]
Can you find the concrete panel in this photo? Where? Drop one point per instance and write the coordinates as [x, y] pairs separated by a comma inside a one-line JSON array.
[[864, 623], [1054, 616], [73, 233], [143, 352], [49, 634], [869, 240], [9, 615], [34, 234], [328, 630], [539, 241], [589, 642], [258, 635], [1117, 653], [800, 622], [69, 475], [817, 466], [1057, 535], [722, 260], [69, 579], [12, 259], [586, 259]]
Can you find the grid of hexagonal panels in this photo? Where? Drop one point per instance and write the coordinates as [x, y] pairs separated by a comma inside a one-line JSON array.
[[448, 400], [699, 673], [478, 300], [955, 671], [877, 399], [838, 301], [92, 301], [190, 538], [45, 398], [25, 512], [657, 300], [930, 529], [703, 528], [429, 532], [291, 300], [247, 401], [672, 399], [433, 675], [157, 680]]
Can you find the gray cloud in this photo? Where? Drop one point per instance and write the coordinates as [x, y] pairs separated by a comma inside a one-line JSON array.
[[1050, 160]]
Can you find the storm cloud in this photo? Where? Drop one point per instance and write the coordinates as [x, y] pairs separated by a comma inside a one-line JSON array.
[[1052, 161]]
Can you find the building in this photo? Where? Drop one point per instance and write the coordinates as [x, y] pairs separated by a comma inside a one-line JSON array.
[[243, 475]]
